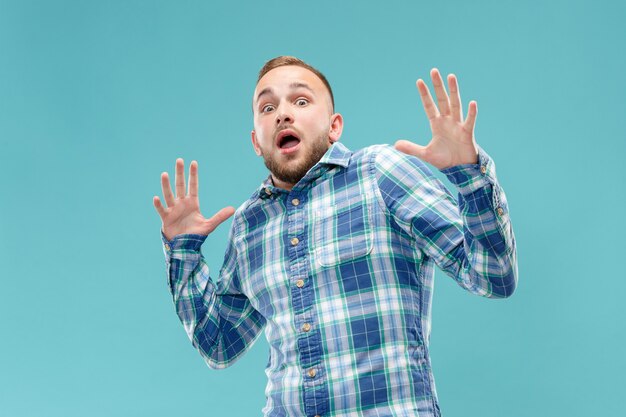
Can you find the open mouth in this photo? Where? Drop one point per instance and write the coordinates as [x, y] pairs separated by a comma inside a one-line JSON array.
[[287, 139]]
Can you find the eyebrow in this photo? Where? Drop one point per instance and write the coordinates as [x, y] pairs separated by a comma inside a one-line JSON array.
[[295, 85]]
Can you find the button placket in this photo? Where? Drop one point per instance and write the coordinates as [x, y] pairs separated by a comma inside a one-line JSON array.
[[302, 298]]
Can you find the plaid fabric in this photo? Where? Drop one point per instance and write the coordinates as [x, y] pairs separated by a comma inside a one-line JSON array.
[[339, 272]]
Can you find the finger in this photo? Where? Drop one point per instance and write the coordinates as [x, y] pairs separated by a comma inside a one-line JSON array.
[[472, 112], [455, 98], [193, 179], [167, 189], [427, 100], [159, 207], [410, 148], [180, 178], [219, 217], [440, 92]]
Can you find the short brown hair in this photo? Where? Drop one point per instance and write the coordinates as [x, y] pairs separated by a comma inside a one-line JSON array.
[[284, 60]]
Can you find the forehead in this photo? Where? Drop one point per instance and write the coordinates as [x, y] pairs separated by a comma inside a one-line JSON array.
[[283, 78]]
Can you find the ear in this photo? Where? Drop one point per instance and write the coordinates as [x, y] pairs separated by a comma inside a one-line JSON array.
[[255, 143], [336, 127]]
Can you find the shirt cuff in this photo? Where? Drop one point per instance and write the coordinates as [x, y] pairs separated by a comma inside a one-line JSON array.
[[471, 177], [188, 242]]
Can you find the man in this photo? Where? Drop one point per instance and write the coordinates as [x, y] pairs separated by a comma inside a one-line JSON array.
[[334, 254]]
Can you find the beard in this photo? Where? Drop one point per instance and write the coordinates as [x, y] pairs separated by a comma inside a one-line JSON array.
[[292, 173]]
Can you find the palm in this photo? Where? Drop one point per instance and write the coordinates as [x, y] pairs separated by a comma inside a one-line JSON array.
[[453, 140], [182, 215], [185, 215]]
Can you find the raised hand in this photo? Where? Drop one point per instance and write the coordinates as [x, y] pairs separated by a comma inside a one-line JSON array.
[[453, 141], [182, 214]]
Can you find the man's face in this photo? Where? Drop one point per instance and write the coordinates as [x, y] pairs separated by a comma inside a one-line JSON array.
[[293, 122]]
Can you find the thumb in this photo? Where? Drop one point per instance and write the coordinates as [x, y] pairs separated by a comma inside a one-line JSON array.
[[219, 218], [410, 148]]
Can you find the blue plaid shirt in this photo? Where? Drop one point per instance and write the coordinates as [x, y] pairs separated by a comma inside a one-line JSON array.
[[339, 272]]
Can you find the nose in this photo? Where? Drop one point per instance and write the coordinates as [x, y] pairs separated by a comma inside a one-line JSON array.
[[283, 115]]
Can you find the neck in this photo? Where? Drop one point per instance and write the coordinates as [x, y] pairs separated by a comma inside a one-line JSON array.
[[281, 184]]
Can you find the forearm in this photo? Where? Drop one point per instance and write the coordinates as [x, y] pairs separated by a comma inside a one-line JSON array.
[[486, 261], [190, 285], [218, 319]]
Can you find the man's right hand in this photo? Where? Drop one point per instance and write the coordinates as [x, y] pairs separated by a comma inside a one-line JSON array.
[[182, 214]]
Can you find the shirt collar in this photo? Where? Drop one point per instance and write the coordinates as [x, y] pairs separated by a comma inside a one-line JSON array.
[[336, 155]]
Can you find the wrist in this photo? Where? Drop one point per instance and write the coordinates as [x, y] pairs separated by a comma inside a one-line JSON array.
[[472, 176], [182, 241]]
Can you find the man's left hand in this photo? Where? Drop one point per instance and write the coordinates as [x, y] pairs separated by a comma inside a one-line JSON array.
[[453, 141]]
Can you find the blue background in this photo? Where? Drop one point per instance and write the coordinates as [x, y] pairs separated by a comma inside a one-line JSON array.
[[98, 98]]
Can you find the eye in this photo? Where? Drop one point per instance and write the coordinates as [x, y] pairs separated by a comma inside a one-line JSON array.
[[267, 108], [302, 102]]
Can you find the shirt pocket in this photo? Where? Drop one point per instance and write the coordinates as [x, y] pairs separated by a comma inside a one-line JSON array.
[[343, 233]]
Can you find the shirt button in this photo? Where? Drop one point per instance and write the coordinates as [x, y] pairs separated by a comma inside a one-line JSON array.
[[295, 201], [300, 283], [167, 247], [295, 241], [268, 191], [306, 327], [483, 169], [500, 211], [312, 373]]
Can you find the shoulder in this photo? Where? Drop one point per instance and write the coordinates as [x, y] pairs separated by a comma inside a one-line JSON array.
[[373, 153], [385, 158]]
